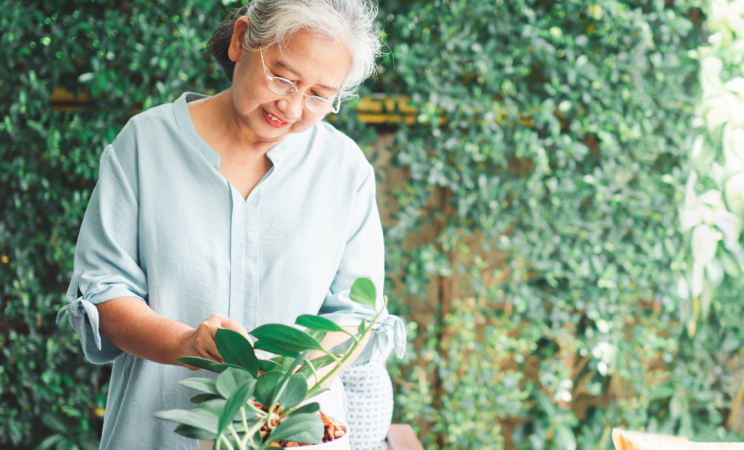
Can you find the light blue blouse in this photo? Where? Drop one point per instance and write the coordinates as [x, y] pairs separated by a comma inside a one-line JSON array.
[[163, 225]]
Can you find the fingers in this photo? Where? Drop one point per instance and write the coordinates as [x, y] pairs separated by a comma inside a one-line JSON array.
[[233, 325], [204, 344], [205, 334], [209, 351]]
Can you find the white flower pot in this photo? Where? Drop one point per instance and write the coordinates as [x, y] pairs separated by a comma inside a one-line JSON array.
[[341, 443]]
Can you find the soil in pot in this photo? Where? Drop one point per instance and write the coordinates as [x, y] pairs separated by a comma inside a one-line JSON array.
[[334, 429]]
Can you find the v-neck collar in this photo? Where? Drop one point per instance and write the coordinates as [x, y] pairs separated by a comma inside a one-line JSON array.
[[181, 110]]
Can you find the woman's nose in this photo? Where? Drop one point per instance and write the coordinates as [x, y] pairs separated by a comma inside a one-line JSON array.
[[292, 105]]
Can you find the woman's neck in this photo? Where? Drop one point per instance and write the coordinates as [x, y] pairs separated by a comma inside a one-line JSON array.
[[221, 127]]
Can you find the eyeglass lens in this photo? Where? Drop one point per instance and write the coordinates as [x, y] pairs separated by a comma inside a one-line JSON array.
[[314, 104], [282, 87]]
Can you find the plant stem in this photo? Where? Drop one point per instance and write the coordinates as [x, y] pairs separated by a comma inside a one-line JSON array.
[[249, 434], [312, 367], [261, 413], [335, 358], [222, 436], [356, 344], [235, 435], [268, 421], [245, 420]]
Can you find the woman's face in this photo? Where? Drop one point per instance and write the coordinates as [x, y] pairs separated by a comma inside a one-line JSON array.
[[315, 65]]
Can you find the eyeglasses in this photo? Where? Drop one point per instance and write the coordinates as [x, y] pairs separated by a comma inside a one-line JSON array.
[[282, 86]]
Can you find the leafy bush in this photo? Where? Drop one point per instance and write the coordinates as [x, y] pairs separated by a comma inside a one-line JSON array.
[[124, 56], [555, 132], [534, 242], [712, 212]]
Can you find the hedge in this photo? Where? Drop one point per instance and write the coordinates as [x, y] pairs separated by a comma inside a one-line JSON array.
[[554, 135], [533, 244], [711, 214]]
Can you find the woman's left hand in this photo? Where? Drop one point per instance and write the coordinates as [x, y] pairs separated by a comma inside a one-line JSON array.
[[200, 341]]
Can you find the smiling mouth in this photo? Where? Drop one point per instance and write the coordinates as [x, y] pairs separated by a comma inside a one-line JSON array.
[[272, 120]]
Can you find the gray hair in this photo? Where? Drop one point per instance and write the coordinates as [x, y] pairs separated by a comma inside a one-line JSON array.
[[273, 22]]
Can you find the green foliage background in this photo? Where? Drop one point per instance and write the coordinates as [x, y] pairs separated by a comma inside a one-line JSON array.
[[550, 133]]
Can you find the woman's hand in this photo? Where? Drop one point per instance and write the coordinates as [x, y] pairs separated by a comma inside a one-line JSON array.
[[130, 324], [200, 341]]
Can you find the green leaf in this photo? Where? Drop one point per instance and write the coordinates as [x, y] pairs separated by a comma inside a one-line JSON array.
[[66, 444], [660, 392], [195, 433], [564, 437], [213, 407], [363, 291], [229, 381], [307, 409], [49, 442], [234, 403], [318, 363], [236, 349], [268, 364], [318, 392], [730, 265], [55, 422], [266, 385], [547, 405], [301, 428], [288, 374], [318, 323], [318, 335], [89, 441], [297, 361], [195, 418], [201, 384], [206, 364], [285, 338], [200, 398], [277, 351], [294, 392], [362, 326], [343, 347], [287, 363]]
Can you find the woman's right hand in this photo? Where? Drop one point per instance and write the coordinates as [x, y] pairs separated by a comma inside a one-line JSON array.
[[200, 341]]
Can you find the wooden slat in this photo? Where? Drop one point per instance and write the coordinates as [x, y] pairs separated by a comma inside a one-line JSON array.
[[402, 437]]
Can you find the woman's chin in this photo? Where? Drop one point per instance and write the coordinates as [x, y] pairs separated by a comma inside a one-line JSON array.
[[272, 134], [264, 131]]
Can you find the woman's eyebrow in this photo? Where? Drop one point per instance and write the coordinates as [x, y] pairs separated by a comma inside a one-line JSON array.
[[283, 65]]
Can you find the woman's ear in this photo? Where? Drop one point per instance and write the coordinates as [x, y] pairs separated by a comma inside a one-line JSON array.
[[236, 44]]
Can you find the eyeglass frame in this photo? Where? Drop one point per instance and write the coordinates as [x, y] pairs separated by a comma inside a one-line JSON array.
[[304, 101]]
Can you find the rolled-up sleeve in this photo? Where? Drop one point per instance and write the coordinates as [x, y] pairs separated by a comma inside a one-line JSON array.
[[106, 264], [364, 256]]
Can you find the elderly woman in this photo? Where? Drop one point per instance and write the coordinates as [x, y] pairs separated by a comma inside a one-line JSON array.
[[231, 211]]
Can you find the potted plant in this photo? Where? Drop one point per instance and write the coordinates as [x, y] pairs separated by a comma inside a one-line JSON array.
[[255, 403]]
